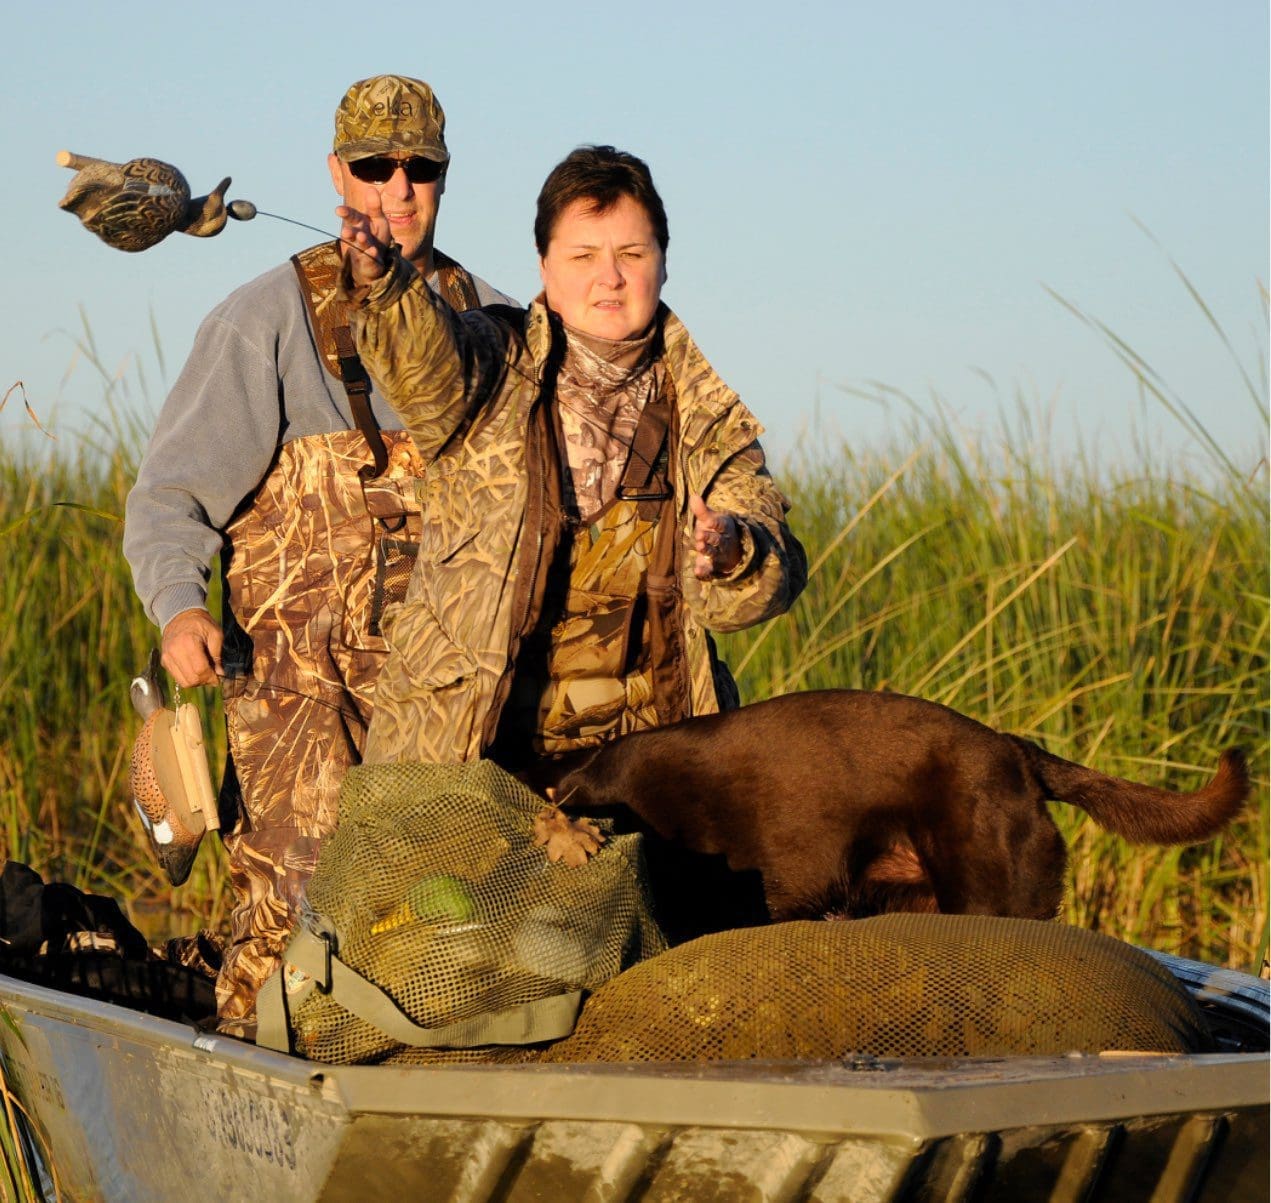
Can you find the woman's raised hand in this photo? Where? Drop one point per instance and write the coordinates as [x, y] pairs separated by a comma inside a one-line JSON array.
[[716, 540], [365, 239]]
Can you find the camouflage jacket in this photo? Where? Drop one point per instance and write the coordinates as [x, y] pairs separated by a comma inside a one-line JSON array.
[[474, 389]]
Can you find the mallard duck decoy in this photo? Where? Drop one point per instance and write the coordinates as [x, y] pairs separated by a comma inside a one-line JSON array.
[[168, 774], [133, 205]]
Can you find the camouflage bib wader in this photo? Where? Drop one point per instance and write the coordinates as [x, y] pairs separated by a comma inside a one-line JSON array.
[[328, 540], [609, 658], [597, 680]]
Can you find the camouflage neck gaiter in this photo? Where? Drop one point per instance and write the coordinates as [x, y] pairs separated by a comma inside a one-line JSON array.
[[601, 390]]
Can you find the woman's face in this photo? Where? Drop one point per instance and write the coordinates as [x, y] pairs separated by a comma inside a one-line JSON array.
[[603, 272]]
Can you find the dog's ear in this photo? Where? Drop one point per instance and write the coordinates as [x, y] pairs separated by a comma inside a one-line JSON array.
[[550, 793]]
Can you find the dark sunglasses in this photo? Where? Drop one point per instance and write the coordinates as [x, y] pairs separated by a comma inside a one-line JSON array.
[[379, 169]]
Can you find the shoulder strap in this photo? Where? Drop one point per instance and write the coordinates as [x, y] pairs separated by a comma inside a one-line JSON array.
[[357, 387], [529, 1023], [672, 682], [645, 479], [455, 283], [318, 269]]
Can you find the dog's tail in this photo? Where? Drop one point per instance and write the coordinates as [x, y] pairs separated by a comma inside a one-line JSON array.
[[1144, 814]]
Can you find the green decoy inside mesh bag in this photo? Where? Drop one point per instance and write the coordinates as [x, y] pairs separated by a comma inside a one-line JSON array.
[[437, 918]]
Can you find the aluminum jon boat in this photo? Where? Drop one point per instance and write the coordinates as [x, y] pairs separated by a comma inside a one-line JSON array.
[[123, 1105]]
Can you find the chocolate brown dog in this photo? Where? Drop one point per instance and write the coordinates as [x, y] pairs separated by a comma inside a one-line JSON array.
[[850, 803]]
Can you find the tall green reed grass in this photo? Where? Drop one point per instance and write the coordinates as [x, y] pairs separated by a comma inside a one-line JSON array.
[[72, 637], [1117, 613]]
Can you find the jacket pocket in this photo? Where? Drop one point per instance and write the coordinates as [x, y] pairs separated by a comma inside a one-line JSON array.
[[596, 643], [438, 546], [430, 657]]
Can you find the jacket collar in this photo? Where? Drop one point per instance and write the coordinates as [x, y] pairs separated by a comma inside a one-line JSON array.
[[694, 377]]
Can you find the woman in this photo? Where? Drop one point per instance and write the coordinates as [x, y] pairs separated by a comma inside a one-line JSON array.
[[596, 500]]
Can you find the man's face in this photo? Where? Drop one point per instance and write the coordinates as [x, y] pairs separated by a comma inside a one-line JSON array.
[[603, 272], [411, 209]]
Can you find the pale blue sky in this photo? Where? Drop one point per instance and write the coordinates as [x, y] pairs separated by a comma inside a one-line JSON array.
[[857, 192]]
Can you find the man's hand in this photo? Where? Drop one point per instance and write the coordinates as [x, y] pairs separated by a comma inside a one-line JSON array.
[[365, 239], [716, 539], [192, 648]]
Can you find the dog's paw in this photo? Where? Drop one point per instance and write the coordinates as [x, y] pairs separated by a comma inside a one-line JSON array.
[[574, 841]]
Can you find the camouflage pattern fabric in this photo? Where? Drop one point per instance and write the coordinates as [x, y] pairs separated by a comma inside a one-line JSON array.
[[492, 497], [303, 578], [311, 565], [601, 390], [597, 680], [390, 113], [203, 952]]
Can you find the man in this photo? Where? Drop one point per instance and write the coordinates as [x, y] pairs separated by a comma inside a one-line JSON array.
[[274, 449]]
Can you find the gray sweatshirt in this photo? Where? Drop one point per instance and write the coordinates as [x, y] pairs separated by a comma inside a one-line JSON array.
[[253, 382]]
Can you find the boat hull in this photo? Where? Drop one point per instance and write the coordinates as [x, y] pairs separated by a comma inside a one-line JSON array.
[[130, 1107]]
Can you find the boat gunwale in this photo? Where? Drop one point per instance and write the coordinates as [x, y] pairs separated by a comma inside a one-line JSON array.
[[927, 1098]]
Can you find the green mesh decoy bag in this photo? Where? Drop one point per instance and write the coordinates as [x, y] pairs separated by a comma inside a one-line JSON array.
[[434, 921]]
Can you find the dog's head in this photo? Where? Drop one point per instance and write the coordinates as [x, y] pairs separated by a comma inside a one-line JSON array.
[[548, 776]]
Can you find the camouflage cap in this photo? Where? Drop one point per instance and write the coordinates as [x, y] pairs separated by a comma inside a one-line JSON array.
[[388, 113]]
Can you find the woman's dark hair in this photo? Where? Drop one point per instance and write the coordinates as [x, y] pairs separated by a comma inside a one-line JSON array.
[[603, 176]]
